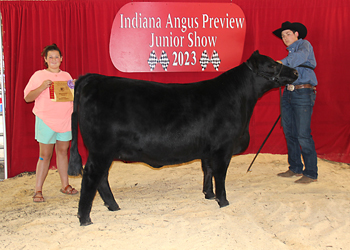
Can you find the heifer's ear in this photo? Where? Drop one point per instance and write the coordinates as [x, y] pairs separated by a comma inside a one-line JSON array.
[[253, 60], [255, 54]]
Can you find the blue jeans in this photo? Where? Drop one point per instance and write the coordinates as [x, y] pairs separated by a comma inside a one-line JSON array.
[[297, 108]]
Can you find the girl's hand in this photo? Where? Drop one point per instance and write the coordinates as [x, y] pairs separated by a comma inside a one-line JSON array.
[[46, 84], [32, 95]]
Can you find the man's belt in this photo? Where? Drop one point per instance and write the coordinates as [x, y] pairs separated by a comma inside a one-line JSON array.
[[292, 87]]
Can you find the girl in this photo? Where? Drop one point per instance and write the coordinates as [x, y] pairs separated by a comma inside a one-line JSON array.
[[53, 121]]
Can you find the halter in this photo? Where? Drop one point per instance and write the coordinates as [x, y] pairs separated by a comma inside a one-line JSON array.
[[275, 77]]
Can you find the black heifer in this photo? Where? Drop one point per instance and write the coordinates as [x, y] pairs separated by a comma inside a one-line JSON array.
[[162, 124]]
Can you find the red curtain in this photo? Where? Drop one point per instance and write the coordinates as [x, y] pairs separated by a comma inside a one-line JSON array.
[[82, 30]]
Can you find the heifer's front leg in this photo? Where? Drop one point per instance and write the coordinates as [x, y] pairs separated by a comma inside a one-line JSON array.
[[95, 169], [220, 165], [220, 190], [207, 180], [106, 194]]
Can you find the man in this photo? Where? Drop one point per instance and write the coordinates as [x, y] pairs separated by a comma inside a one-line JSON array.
[[297, 103]]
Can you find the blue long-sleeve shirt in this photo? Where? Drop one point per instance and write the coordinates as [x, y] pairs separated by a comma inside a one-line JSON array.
[[301, 52]]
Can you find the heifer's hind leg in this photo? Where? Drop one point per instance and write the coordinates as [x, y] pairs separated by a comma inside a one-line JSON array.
[[106, 194], [208, 179], [95, 169]]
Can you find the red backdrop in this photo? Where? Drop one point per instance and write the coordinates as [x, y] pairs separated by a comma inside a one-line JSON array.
[[82, 30]]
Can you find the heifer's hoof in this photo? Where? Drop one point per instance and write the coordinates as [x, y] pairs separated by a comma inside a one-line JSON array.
[[223, 203], [85, 223], [209, 196], [114, 207]]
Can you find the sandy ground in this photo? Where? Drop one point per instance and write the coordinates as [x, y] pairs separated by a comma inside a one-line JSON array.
[[165, 209]]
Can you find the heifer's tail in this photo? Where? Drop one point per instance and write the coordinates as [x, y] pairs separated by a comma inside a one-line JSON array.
[[75, 165]]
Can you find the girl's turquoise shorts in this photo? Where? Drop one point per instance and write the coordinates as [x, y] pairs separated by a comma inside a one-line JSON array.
[[46, 135]]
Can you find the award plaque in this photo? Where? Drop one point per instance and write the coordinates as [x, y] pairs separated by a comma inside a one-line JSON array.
[[62, 91]]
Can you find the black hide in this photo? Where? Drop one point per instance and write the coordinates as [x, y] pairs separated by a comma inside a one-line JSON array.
[[163, 124]]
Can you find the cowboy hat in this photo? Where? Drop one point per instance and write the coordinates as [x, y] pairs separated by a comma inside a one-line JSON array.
[[291, 26]]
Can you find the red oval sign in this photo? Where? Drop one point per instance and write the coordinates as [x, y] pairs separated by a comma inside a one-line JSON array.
[[158, 37]]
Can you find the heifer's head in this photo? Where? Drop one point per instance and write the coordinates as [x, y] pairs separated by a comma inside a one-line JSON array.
[[270, 73]]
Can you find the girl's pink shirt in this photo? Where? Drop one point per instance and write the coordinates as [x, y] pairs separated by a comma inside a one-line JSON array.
[[56, 115]]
